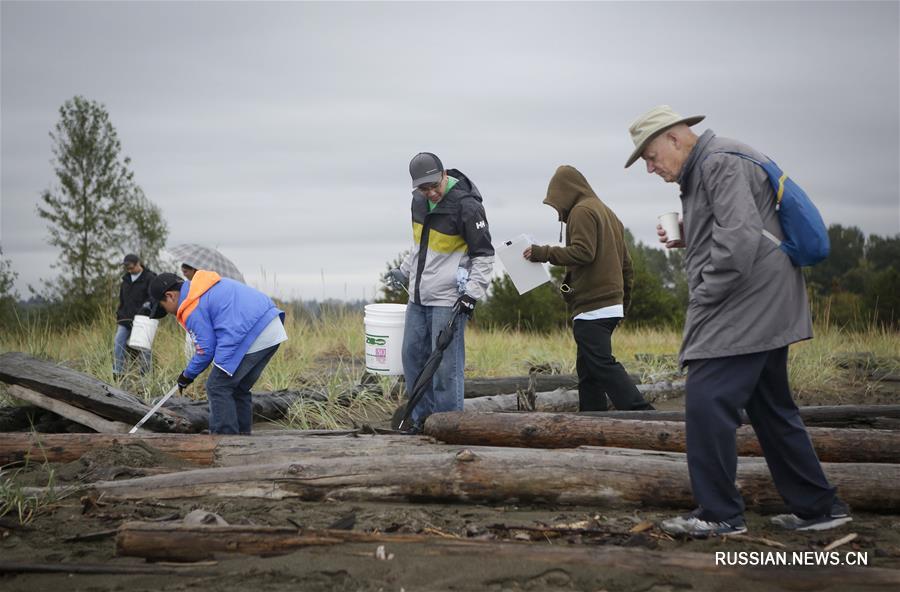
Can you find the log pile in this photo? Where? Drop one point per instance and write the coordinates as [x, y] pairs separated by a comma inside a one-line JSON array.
[[103, 408]]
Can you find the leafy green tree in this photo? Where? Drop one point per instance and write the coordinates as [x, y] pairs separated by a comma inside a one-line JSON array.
[[540, 309], [96, 207], [883, 252], [658, 286], [882, 297], [8, 293], [144, 230], [847, 249]]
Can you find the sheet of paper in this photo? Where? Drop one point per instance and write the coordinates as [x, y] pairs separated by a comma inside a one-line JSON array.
[[526, 275]]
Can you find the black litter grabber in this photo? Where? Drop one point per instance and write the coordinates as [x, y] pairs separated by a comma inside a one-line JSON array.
[[423, 380]]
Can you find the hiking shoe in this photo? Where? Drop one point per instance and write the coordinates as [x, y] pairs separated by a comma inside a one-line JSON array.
[[692, 526], [415, 429], [840, 514]]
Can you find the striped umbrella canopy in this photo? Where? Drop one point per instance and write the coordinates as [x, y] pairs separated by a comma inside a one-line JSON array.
[[207, 258]]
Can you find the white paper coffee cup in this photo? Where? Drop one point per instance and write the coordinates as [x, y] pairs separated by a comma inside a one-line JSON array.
[[669, 222]]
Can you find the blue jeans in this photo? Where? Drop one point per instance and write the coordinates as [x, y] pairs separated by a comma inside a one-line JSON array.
[[120, 350], [447, 389], [230, 402]]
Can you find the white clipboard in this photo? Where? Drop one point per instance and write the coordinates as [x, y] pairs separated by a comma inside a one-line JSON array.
[[526, 275]]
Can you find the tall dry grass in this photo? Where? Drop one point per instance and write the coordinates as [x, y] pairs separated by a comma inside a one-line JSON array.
[[327, 354]]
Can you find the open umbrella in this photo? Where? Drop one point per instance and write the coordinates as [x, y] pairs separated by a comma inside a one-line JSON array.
[[423, 380], [206, 258]]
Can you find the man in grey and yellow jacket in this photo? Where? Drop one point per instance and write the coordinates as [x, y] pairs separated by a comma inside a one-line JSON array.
[[449, 265]]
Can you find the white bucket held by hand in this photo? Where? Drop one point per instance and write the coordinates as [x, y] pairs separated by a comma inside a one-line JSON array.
[[384, 338], [143, 330]]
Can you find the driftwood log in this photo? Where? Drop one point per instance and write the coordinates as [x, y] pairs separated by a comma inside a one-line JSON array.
[[562, 400], [211, 450], [85, 392], [608, 477], [78, 391], [608, 563], [834, 416], [559, 430]]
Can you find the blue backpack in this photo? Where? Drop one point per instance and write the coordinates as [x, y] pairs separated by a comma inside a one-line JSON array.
[[805, 235]]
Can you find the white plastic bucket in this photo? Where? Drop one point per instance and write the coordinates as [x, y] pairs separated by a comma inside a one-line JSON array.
[[143, 330], [384, 338]]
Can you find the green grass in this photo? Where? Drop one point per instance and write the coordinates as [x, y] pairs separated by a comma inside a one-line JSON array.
[[327, 355]]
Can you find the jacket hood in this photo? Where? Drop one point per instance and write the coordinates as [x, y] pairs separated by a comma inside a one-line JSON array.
[[202, 282], [567, 187]]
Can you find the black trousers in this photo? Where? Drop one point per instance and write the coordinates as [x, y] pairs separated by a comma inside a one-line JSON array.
[[717, 390], [599, 374]]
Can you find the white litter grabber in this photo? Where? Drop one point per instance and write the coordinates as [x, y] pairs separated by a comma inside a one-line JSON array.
[[154, 409]]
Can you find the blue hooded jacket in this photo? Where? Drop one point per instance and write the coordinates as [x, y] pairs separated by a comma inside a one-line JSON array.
[[224, 317]]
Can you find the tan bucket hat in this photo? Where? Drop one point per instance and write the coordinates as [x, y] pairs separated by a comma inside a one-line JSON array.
[[652, 123]]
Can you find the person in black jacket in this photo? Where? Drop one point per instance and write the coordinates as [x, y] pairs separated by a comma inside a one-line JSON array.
[[134, 293]]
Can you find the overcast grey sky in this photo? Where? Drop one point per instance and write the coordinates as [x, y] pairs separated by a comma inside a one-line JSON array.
[[281, 132]]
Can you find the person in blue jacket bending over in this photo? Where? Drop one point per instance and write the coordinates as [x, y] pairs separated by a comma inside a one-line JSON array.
[[232, 325]]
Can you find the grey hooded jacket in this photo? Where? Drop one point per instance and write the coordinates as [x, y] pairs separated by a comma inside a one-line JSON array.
[[745, 294]]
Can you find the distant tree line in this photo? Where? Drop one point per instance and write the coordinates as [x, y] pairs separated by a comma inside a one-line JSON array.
[[857, 287]]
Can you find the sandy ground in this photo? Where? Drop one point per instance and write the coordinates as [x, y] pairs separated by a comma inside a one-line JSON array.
[[355, 566], [350, 567]]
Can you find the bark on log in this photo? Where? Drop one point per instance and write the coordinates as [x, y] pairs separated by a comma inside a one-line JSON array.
[[608, 477], [554, 430], [209, 450], [835, 416], [679, 569], [83, 391]]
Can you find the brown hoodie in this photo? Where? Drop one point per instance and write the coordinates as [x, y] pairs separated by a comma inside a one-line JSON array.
[[598, 267]]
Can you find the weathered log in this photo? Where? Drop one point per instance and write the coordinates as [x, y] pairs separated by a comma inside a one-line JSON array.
[[18, 567], [70, 412], [209, 450], [483, 387], [567, 400], [679, 569], [83, 391], [86, 392], [557, 430], [836, 416], [609, 477]]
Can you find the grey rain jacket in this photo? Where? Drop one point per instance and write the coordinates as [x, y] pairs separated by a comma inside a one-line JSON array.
[[745, 294]]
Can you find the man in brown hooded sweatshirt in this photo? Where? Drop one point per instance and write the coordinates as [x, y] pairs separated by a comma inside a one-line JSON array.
[[597, 288]]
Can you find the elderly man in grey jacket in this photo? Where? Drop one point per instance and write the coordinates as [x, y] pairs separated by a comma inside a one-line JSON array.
[[747, 305]]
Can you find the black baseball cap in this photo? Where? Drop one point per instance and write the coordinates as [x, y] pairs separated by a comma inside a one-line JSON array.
[[163, 283], [424, 168], [131, 258]]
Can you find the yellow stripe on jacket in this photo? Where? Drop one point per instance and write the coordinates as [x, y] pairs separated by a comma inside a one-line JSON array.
[[440, 242], [202, 282]]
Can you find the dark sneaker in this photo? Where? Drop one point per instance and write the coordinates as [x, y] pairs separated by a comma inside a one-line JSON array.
[[840, 514], [692, 526], [415, 429]]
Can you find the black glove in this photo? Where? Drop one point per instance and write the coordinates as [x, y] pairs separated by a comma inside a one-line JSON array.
[[466, 304], [145, 309], [183, 382], [395, 276]]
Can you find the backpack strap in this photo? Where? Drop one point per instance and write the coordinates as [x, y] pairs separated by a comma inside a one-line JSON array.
[[778, 194]]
